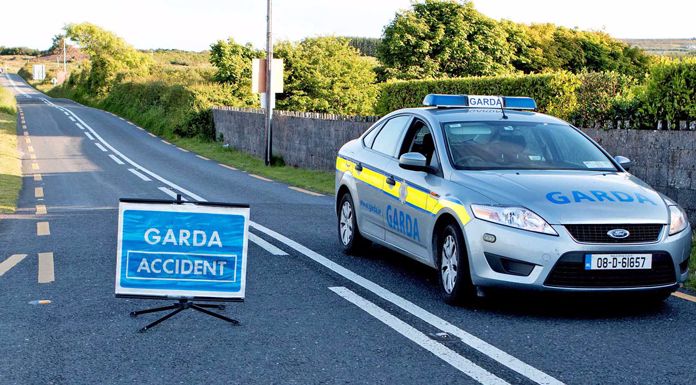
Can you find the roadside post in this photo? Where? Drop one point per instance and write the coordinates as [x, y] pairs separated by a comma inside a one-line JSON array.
[[181, 250]]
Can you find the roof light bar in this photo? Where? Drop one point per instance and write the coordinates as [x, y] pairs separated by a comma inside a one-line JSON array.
[[480, 101]]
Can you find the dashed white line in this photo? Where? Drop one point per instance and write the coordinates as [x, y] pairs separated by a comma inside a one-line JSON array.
[[271, 248], [100, 146], [115, 159], [201, 157], [66, 113], [139, 175], [79, 126], [441, 351], [260, 178], [87, 134], [71, 118], [312, 193]]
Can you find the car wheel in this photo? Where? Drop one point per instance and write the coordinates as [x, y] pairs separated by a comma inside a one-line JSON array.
[[348, 233], [453, 266]]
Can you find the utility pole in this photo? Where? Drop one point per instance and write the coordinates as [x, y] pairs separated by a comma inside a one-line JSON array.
[[269, 89]]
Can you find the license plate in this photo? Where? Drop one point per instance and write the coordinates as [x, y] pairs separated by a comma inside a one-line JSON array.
[[618, 261]]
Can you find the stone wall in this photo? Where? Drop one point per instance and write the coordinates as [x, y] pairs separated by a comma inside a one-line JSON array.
[[664, 159]]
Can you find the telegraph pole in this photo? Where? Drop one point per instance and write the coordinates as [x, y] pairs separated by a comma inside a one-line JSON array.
[[269, 89]]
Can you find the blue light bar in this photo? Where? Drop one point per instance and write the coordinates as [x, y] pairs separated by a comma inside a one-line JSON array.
[[479, 101]]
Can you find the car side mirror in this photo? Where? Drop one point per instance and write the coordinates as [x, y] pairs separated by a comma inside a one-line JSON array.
[[624, 162], [414, 161]]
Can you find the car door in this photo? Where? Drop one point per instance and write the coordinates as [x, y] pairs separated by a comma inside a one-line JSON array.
[[409, 223], [370, 175]]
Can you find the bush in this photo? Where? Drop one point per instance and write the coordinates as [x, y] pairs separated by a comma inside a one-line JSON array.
[[599, 96], [554, 93], [670, 91]]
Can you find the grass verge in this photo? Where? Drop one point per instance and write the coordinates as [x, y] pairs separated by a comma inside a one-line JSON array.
[[10, 164], [314, 180]]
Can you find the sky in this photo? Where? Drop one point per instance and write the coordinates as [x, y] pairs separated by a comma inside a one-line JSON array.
[[194, 25]]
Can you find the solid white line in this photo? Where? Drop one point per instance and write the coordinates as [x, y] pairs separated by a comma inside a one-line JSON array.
[[170, 193], [441, 351], [139, 175], [266, 245], [100, 146], [482, 346], [87, 134], [115, 159], [489, 350]]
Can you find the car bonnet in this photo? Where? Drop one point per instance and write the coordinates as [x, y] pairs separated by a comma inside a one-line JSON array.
[[566, 197]]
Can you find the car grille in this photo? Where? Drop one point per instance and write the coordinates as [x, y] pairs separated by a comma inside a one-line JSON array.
[[639, 233], [570, 271]]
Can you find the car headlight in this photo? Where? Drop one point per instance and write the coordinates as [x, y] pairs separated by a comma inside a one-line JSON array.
[[518, 217], [677, 220]]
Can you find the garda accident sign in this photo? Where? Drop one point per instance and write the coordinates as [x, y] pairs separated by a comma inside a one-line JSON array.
[[181, 250]]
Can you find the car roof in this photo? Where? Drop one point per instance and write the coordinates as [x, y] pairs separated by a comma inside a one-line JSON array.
[[454, 114]]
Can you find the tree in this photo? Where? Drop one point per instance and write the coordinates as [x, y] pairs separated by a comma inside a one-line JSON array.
[[443, 39], [233, 63], [326, 74], [111, 58]]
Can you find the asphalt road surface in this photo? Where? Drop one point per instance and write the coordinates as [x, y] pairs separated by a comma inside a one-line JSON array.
[[312, 315]]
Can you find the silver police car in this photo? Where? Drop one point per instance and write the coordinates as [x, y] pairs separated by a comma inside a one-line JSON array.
[[492, 194]]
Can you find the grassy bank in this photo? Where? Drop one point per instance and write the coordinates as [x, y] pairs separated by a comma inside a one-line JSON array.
[[319, 181], [10, 164]]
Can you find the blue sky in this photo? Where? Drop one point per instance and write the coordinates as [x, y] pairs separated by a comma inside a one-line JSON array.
[[194, 25]]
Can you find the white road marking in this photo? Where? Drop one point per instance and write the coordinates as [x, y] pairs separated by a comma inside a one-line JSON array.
[[115, 159], [79, 126], [271, 248], [139, 175], [14, 85], [484, 347], [202, 157], [182, 149], [10, 262], [43, 229], [441, 351], [100, 146], [89, 136], [66, 113], [71, 118], [170, 193], [229, 167], [260, 178], [312, 193], [46, 271]]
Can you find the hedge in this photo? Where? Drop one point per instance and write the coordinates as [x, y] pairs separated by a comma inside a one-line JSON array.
[[555, 93]]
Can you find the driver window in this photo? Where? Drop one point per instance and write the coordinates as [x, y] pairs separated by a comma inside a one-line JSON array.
[[419, 139]]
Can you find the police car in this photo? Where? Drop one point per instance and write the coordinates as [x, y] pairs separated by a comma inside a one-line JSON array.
[[492, 194]]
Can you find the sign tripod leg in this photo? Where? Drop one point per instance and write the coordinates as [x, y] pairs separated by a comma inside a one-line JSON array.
[[183, 304]]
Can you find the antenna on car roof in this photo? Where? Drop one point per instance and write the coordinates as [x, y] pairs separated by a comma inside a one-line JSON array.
[[502, 107]]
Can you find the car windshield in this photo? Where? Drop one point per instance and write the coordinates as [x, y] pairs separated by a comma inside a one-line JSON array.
[[513, 145]]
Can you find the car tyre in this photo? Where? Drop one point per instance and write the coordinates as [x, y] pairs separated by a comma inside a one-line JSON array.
[[453, 266], [348, 232]]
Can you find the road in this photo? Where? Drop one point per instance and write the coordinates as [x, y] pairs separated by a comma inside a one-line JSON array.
[[312, 315]]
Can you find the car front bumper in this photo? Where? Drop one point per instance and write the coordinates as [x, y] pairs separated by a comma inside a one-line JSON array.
[[545, 252]]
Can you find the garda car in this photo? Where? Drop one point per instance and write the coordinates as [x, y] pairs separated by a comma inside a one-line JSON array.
[[493, 194]]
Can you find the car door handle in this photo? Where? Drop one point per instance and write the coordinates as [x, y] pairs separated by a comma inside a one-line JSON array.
[[391, 181], [358, 167]]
